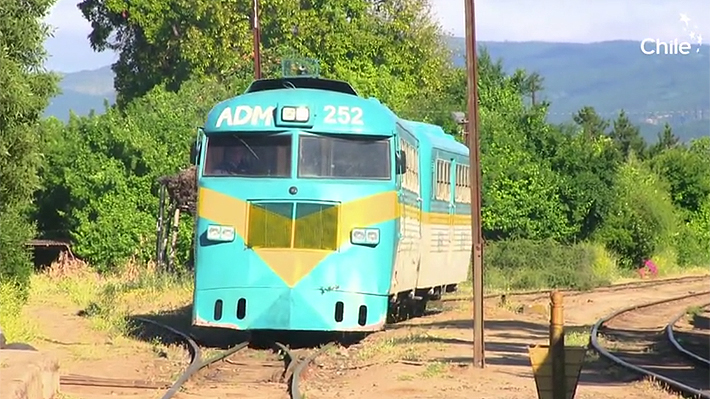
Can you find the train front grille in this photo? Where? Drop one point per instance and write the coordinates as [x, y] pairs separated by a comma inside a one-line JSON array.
[[299, 225]]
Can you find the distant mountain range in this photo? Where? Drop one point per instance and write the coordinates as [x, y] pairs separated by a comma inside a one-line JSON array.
[[608, 76], [83, 91]]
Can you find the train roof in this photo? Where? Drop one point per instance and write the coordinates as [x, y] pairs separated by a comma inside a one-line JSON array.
[[301, 82], [435, 136], [319, 92]]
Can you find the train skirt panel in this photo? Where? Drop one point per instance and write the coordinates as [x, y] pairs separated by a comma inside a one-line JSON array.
[[261, 308]]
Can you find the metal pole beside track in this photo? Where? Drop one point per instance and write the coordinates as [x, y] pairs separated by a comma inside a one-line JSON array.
[[257, 39], [475, 179]]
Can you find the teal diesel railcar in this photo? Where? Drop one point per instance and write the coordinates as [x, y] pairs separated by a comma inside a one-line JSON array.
[[320, 210]]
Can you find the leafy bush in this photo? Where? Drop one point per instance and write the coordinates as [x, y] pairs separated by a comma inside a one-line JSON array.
[[105, 169], [528, 264], [642, 219], [15, 327], [693, 240], [687, 174], [25, 90]]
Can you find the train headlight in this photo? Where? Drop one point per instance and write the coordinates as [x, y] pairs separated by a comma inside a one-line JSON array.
[[365, 236], [295, 114], [220, 233]]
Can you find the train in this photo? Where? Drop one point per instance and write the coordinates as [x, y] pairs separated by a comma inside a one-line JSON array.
[[321, 210]]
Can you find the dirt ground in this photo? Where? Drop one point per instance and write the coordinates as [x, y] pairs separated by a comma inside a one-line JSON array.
[[430, 357], [427, 357]]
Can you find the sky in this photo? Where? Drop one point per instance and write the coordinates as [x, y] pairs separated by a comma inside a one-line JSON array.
[[575, 21]]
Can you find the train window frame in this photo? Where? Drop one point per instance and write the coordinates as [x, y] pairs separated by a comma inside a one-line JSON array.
[[442, 174], [463, 188], [410, 178], [387, 140], [211, 161]]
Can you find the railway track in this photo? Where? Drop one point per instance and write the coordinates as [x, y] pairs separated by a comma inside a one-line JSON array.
[[694, 352], [641, 339], [294, 363], [543, 294]]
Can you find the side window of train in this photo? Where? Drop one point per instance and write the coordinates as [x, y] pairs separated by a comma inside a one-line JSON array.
[[410, 179], [463, 188], [443, 180]]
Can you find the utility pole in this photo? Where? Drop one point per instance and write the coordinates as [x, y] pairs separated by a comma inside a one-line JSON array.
[[475, 178], [257, 39]]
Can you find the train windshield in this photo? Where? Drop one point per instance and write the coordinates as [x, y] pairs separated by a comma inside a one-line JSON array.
[[248, 155], [344, 157]]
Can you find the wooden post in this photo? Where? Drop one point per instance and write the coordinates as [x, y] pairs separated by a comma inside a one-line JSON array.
[[173, 239], [473, 142], [256, 29], [557, 346]]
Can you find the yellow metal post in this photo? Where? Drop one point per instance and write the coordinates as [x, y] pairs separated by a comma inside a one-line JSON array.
[[557, 346], [556, 368]]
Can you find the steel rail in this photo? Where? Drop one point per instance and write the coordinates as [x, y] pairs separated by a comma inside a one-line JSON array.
[[594, 343], [670, 334], [575, 292]]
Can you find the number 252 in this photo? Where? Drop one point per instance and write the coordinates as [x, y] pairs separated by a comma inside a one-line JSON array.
[[343, 115]]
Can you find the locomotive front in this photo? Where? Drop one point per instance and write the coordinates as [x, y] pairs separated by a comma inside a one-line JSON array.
[[297, 208]]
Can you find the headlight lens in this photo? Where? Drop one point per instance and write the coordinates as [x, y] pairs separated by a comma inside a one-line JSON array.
[[220, 233], [364, 236], [295, 114]]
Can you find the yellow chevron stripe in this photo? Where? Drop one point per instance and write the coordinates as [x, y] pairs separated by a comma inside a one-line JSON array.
[[291, 265]]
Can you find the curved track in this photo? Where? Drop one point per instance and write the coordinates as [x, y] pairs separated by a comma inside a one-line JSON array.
[[574, 292], [294, 366], [698, 357], [635, 340]]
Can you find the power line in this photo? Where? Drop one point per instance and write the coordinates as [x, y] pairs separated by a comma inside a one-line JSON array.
[[699, 112], [704, 112]]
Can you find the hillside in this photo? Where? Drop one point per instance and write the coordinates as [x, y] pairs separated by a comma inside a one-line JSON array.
[[608, 76], [83, 91], [611, 76]]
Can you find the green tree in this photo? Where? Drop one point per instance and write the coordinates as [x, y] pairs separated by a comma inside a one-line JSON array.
[[436, 108], [701, 146], [696, 247], [492, 74], [533, 84], [25, 90], [587, 167], [666, 141], [103, 170], [520, 191], [688, 174], [642, 219], [666, 138], [591, 123], [627, 136], [391, 50]]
